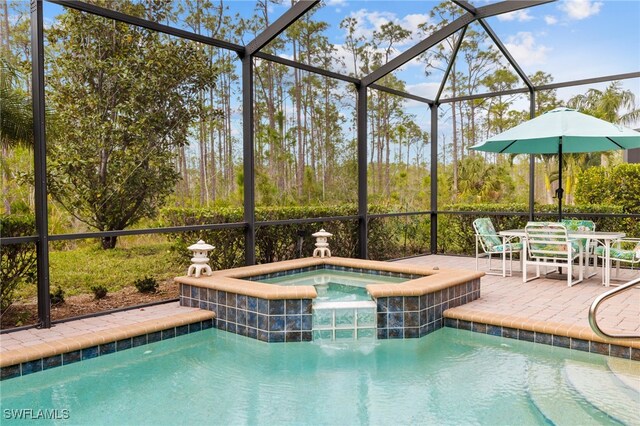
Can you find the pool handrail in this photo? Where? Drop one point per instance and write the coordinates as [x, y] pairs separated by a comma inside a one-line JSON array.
[[593, 321]]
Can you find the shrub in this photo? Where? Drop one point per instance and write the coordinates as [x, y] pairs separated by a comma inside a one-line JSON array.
[[99, 291], [146, 285], [17, 261], [57, 297], [618, 186]]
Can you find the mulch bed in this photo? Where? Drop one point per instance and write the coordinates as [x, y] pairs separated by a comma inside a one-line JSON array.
[[26, 313]]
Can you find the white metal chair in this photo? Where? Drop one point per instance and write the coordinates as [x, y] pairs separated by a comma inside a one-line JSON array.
[[491, 243], [588, 245], [547, 244], [626, 250]]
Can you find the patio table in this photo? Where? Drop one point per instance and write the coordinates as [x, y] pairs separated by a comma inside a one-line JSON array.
[[606, 237]]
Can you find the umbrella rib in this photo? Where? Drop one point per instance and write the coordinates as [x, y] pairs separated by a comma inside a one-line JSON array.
[[508, 146], [619, 146]]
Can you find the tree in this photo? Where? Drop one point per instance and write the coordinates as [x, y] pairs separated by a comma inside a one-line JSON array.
[[124, 99]]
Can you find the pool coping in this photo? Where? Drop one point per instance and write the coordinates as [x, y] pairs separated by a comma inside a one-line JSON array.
[[576, 337], [18, 362], [232, 280]]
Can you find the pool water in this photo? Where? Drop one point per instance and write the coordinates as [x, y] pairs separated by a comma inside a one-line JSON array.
[[449, 377], [335, 286]]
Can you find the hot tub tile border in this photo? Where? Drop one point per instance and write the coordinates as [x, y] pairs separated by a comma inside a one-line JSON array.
[[539, 337], [96, 350]]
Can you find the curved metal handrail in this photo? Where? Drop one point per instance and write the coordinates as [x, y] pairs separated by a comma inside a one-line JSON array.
[[593, 322]]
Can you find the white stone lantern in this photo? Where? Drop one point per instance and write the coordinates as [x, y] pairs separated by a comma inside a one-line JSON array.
[[200, 258], [322, 246]]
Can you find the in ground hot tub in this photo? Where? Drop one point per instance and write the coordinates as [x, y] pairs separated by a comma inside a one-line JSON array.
[[330, 298]]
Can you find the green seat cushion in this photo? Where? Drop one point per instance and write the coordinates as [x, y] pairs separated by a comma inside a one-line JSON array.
[[628, 255], [506, 247], [487, 233]]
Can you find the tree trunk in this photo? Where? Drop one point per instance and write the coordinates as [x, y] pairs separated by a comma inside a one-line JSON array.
[[108, 243]]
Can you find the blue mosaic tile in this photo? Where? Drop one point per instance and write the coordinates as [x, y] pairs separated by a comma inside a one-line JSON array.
[[276, 337], [412, 303], [124, 344], [263, 322], [307, 322], [431, 315], [252, 332], [578, 344], [231, 314], [263, 306], [221, 312], [382, 304], [231, 327], [395, 320], [423, 317], [276, 307], [396, 333], [527, 335], [196, 326], [52, 362], [293, 323], [31, 367], [252, 319], [451, 322], [10, 372], [479, 327], [231, 299], [221, 325], [411, 319], [185, 290], [92, 352], [423, 302], [307, 306], [293, 336], [168, 334], [107, 348], [241, 330], [207, 324], [562, 341], [635, 354], [430, 298], [411, 332], [437, 297], [438, 312], [204, 305], [276, 323], [182, 330], [252, 303], [241, 302], [241, 317], [263, 335], [222, 297], [195, 292], [383, 333], [463, 325], [306, 336], [71, 357], [396, 304], [620, 351], [293, 306], [494, 330], [156, 336], [382, 320]]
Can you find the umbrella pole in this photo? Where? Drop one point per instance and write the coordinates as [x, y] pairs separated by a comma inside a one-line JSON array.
[[560, 191]]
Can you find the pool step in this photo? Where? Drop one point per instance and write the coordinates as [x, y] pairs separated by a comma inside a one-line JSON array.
[[598, 386], [344, 320], [555, 401], [628, 372]]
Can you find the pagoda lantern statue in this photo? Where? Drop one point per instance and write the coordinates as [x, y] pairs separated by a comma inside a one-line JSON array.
[[200, 259], [322, 246]]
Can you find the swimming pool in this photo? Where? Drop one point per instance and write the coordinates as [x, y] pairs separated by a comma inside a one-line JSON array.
[[448, 377]]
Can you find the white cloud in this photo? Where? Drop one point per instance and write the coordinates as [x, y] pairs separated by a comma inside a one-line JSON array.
[[525, 50], [336, 2], [517, 15], [368, 22], [550, 20], [580, 9]]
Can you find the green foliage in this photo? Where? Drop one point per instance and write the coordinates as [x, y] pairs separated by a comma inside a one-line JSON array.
[[57, 297], [146, 285], [617, 185], [124, 98], [99, 291], [18, 261]]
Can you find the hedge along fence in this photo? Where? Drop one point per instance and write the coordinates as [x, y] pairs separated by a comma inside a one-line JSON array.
[[388, 237], [456, 234], [17, 261]]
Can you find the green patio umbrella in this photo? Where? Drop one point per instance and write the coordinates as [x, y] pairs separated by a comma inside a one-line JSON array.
[[559, 131]]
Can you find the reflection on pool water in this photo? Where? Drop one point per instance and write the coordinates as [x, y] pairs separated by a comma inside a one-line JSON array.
[[449, 377]]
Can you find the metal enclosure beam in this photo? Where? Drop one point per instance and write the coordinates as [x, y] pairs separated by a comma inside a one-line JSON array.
[[452, 61], [280, 24], [582, 82], [248, 160], [434, 179], [401, 94], [363, 252], [532, 161], [40, 163], [441, 34], [150, 25], [305, 67]]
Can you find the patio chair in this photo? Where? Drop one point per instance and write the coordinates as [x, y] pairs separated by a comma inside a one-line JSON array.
[[627, 250], [588, 246], [491, 243], [547, 244]]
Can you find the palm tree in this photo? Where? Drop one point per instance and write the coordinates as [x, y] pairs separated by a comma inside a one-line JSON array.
[[613, 104]]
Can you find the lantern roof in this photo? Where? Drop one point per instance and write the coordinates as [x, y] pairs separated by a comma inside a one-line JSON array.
[[200, 246], [321, 233]]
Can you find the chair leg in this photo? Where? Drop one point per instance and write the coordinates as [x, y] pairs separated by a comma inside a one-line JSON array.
[[504, 263]]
